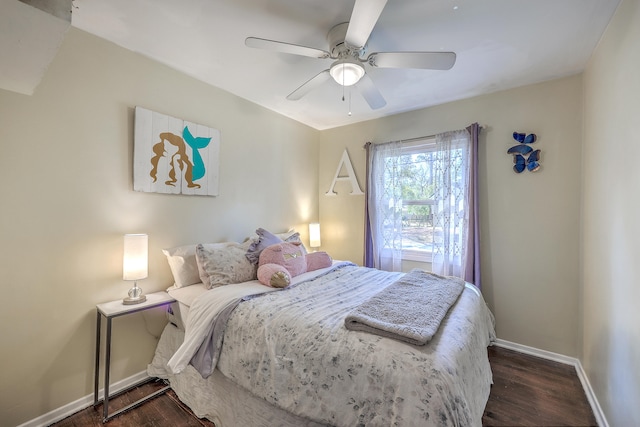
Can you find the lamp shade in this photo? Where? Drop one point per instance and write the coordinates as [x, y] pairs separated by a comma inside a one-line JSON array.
[[314, 235], [135, 258]]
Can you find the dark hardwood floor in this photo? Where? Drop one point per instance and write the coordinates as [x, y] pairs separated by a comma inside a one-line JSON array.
[[165, 410], [527, 391]]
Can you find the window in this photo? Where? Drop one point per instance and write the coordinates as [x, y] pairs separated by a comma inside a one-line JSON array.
[[420, 196]]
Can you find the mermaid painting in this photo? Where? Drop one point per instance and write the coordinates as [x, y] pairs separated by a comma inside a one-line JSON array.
[[193, 167]]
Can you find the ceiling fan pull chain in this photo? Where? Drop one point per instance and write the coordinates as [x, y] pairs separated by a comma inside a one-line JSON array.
[[349, 101]]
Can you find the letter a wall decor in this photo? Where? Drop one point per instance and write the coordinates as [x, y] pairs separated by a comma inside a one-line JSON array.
[[345, 162], [174, 156]]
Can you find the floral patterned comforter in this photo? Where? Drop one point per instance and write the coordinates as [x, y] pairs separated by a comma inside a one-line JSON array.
[[292, 349]]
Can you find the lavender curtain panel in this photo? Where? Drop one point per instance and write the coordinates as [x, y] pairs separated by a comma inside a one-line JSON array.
[[472, 265], [368, 240]]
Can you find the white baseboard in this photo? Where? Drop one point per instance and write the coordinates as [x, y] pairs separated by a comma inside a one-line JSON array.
[[544, 354], [84, 402]]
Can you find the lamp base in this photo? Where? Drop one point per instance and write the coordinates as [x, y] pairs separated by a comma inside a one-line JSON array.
[[132, 301], [135, 295]]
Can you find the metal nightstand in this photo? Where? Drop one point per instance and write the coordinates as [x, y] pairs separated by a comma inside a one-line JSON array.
[[110, 310]]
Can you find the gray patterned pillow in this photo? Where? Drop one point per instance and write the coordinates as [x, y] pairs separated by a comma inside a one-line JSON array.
[[224, 265]]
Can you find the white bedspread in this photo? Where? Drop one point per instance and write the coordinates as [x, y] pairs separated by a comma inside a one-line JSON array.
[[208, 314], [291, 348], [203, 316]]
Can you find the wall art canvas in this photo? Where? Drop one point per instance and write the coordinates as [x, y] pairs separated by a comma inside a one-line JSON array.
[[174, 156]]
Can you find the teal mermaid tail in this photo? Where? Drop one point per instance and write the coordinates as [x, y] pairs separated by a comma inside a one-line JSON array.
[[196, 143]]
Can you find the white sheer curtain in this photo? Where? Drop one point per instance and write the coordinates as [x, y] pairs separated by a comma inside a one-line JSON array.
[[453, 207], [454, 227], [385, 202], [451, 198]]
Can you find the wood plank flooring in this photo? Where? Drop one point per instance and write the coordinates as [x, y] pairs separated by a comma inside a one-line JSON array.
[[527, 391], [165, 410]]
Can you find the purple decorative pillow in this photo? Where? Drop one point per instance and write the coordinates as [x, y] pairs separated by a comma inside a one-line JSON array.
[[265, 239]]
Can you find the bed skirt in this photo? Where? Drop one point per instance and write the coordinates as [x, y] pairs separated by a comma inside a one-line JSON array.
[[217, 398]]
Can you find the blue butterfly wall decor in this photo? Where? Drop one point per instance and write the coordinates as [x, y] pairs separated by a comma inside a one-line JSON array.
[[532, 159]]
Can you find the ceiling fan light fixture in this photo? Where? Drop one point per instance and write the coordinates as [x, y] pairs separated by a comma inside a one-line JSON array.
[[347, 71]]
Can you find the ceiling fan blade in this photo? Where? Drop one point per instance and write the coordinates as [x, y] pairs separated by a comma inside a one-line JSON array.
[[425, 60], [364, 16], [371, 93], [309, 85], [285, 47]]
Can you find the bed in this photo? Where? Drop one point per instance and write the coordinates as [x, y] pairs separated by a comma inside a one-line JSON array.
[[287, 359]]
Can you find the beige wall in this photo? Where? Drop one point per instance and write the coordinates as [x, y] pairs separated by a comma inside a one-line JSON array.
[[611, 231], [530, 222], [67, 198]]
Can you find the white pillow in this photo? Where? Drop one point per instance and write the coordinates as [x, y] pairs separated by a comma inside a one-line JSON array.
[[182, 261]]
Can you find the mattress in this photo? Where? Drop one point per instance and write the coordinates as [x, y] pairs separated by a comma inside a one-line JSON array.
[[185, 296]]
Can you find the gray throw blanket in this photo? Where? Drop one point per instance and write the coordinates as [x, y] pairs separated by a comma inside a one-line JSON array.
[[409, 309]]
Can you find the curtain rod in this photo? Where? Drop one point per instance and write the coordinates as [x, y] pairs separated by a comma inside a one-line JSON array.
[[416, 138]]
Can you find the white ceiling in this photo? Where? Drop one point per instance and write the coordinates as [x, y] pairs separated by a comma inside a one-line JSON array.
[[500, 44]]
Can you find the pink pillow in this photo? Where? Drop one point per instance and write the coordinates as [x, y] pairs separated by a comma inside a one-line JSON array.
[[318, 260], [289, 255], [266, 239]]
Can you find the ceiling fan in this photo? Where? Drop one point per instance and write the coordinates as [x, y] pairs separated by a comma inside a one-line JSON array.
[[347, 44]]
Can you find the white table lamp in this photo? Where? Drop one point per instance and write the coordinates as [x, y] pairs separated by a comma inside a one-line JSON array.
[[314, 235], [135, 265]]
